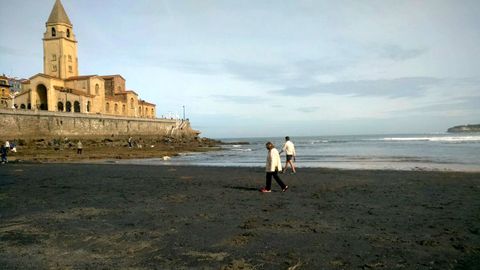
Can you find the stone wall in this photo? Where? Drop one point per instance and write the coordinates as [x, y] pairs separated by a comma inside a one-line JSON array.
[[43, 124]]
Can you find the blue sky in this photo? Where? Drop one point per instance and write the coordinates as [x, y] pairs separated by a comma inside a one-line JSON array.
[[272, 68]]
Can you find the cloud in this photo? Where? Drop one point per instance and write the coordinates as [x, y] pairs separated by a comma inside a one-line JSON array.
[[397, 53], [265, 73], [399, 87], [239, 99], [466, 104], [308, 109]]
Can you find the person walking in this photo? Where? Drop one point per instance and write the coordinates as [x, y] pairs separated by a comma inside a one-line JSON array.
[[129, 142], [3, 152], [289, 149], [273, 165], [79, 147]]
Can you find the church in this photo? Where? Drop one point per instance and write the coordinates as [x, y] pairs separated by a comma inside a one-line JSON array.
[[60, 88]]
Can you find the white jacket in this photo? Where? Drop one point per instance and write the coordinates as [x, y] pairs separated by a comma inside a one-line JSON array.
[[273, 161], [289, 148]]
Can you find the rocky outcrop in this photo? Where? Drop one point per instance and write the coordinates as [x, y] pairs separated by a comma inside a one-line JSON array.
[[464, 128]]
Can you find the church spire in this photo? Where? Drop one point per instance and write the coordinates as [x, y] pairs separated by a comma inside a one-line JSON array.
[[58, 14]]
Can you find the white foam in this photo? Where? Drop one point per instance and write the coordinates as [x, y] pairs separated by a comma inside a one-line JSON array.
[[436, 139]]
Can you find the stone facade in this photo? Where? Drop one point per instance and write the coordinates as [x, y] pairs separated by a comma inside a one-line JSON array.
[[60, 88], [44, 124]]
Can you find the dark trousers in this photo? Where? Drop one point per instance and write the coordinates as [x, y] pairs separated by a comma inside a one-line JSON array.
[[268, 185]]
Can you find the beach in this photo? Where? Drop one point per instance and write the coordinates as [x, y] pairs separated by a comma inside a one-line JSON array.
[[111, 216]]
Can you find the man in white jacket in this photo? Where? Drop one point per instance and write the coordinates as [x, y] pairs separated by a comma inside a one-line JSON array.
[[273, 165], [289, 149]]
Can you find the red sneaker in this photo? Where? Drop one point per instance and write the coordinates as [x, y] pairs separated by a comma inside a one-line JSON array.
[[264, 190]]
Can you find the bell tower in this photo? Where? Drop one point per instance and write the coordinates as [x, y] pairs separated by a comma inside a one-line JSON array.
[[60, 57]]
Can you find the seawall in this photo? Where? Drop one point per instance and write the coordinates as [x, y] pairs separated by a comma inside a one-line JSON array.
[[43, 124]]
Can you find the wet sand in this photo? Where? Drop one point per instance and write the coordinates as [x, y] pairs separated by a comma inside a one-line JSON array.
[[80, 216]]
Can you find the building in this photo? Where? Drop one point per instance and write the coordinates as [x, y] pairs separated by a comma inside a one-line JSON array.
[[61, 88], [5, 93]]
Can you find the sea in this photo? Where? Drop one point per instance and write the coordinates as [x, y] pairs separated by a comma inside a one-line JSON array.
[[439, 151]]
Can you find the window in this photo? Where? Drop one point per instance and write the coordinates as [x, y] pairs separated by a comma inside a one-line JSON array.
[[54, 68], [97, 89], [88, 106], [107, 107], [76, 106], [70, 69], [68, 32], [116, 108], [131, 103], [54, 57], [54, 32], [69, 58], [119, 89], [124, 108]]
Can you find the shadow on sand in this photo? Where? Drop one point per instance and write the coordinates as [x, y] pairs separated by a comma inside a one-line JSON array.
[[243, 188]]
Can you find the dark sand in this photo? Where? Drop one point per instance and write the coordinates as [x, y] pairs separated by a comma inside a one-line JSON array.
[[73, 216]]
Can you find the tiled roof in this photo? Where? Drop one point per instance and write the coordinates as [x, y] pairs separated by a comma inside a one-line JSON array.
[[58, 14], [143, 102], [78, 78], [73, 91]]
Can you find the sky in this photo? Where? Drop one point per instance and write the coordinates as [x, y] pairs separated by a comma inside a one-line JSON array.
[[273, 68]]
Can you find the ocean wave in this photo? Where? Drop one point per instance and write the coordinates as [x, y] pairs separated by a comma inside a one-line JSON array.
[[434, 139], [242, 150]]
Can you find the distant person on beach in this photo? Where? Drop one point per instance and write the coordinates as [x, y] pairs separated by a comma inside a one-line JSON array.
[[3, 152], [273, 165], [129, 142], [79, 147], [289, 149], [7, 145]]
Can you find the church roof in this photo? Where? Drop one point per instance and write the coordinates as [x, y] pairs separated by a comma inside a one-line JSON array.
[[58, 14]]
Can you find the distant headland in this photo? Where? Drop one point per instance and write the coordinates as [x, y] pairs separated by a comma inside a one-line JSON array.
[[464, 128]]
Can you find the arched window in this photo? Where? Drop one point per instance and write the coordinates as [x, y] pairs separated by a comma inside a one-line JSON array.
[[139, 110], [119, 89], [116, 108], [153, 113], [68, 32], [60, 106], [29, 106], [54, 32], [68, 106], [131, 103], [107, 107], [88, 106], [76, 106], [23, 107], [97, 89]]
